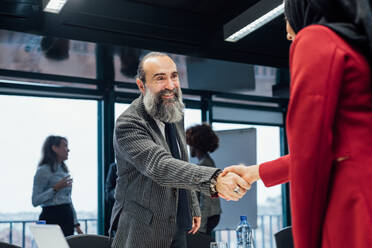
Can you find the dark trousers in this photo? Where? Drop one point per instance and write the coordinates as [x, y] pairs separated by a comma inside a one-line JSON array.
[[61, 215], [179, 239], [212, 222]]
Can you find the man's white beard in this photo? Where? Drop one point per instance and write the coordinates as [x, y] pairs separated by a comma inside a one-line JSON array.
[[168, 110]]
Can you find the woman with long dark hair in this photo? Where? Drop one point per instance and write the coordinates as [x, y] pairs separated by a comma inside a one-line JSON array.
[[52, 186], [329, 125], [202, 141]]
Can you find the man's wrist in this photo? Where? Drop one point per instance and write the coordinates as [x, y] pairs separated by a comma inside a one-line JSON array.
[[213, 183]]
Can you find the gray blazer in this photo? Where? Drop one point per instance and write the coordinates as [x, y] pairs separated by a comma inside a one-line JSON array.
[[149, 177], [209, 206]]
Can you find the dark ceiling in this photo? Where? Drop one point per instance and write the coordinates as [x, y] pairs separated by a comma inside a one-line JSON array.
[[190, 27]]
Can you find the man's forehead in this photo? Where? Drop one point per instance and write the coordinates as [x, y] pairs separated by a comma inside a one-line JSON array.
[[159, 63]]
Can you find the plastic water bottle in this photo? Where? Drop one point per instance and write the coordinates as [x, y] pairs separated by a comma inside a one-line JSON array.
[[244, 234]]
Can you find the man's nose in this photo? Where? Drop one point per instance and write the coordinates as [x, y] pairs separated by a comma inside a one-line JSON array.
[[170, 84]]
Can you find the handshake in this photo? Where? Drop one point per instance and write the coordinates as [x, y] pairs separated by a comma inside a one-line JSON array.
[[235, 180]]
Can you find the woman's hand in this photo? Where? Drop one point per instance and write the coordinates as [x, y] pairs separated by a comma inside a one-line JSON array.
[[63, 183], [250, 174], [78, 230], [231, 186]]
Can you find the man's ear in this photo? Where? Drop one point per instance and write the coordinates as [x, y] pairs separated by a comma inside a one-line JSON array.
[[54, 148], [141, 85]]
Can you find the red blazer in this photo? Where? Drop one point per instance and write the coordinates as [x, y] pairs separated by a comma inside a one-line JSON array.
[[329, 129]]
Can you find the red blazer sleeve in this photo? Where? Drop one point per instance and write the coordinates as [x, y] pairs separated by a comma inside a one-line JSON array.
[[275, 172], [317, 68]]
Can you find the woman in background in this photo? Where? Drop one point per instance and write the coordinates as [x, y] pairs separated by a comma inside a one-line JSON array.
[[203, 140], [329, 125], [52, 186]]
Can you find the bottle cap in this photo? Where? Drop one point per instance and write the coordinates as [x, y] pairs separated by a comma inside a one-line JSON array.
[[243, 217]]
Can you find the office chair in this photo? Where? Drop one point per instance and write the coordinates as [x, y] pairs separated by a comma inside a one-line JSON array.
[[7, 245], [88, 240], [284, 238]]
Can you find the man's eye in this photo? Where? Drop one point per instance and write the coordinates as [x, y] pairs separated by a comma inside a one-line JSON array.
[[160, 78]]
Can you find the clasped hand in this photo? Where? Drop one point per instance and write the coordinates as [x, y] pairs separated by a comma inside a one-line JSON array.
[[235, 180], [63, 183]]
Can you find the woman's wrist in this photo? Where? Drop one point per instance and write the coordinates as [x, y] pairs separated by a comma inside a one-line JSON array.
[[257, 172]]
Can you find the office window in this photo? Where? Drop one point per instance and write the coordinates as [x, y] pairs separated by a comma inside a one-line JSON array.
[[50, 55], [25, 123]]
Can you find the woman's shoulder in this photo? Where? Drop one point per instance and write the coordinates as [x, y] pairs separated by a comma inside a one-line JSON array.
[[321, 36], [43, 169], [316, 28], [323, 41], [207, 161]]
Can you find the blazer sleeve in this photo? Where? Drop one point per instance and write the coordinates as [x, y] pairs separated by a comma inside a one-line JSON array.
[[317, 68], [195, 208], [275, 172], [134, 141]]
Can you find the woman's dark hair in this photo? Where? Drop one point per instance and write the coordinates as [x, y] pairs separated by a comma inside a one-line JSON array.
[[300, 14], [202, 137], [49, 157], [351, 19]]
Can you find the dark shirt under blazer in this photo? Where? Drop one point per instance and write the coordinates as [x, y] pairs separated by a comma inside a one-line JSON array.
[[146, 195]]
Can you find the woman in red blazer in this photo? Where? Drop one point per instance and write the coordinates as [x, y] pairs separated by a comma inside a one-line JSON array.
[[329, 125]]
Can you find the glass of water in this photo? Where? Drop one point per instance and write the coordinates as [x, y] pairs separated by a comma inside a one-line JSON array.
[[218, 245]]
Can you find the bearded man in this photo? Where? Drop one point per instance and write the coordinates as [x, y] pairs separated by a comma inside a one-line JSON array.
[[155, 203]]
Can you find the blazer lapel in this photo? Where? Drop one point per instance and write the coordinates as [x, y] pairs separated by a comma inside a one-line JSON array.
[[181, 140]]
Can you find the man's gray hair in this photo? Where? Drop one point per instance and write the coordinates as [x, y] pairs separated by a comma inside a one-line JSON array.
[[140, 71]]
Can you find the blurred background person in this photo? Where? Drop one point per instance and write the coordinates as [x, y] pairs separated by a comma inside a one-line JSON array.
[[110, 192], [55, 48], [202, 141], [52, 186]]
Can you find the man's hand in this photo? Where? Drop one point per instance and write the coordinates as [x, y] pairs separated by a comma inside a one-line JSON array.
[[231, 186], [250, 174], [196, 221]]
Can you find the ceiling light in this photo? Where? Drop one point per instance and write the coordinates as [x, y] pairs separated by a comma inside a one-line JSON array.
[[256, 16], [55, 6]]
